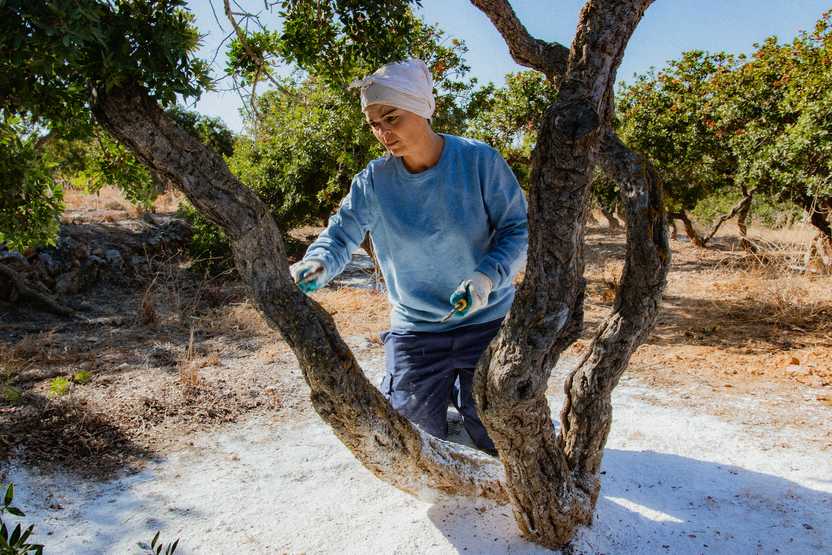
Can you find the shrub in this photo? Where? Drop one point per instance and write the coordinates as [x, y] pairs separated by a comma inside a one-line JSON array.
[[59, 386], [16, 542]]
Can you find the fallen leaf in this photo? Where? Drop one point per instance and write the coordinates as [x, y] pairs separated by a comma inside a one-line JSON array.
[[825, 400]]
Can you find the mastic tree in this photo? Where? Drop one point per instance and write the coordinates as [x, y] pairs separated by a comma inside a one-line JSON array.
[[56, 57], [739, 127], [774, 108], [31, 201], [550, 476], [669, 116]]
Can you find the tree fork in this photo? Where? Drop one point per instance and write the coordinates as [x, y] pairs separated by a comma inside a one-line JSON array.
[[382, 440]]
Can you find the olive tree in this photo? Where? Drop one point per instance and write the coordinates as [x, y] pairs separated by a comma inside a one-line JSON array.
[[550, 476]]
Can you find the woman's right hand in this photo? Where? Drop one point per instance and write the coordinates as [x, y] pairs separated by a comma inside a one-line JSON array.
[[309, 274]]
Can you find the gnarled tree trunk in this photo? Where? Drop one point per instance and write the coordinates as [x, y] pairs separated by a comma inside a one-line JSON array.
[[612, 220], [553, 479], [550, 479], [819, 256], [690, 230], [741, 210]]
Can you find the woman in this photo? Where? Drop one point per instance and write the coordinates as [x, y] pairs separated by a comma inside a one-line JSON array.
[[448, 223]]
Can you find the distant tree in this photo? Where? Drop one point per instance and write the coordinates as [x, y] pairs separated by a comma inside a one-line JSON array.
[[31, 200], [774, 109], [508, 117], [741, 127], [669, 116]]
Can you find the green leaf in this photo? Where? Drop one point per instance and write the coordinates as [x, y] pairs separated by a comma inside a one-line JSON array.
[[7, 499]]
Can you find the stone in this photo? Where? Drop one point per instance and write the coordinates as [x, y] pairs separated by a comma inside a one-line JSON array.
[[114, 258]]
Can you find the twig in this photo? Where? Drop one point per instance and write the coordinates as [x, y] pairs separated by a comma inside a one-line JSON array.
[[259, 62]]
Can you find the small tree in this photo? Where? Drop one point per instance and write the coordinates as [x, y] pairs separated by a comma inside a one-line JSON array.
[[775, 109], [669, 116]]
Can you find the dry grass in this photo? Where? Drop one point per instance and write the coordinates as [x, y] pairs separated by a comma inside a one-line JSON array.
[[238, 318], [356, 311], [731, 319], [111, 198], [801, 302], [147, 313], [43, 348]]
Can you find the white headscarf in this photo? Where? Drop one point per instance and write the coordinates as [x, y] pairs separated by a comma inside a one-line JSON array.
[[406, 85]]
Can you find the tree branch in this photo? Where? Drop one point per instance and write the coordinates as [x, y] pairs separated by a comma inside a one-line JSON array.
[[742, 205], [690, 230], [545, 57], [258, 61], [587, 413]]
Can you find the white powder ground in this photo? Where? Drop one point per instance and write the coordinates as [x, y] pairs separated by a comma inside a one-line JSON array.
[[674, 482]]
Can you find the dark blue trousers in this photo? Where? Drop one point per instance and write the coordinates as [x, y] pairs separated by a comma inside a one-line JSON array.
[[426, 370]]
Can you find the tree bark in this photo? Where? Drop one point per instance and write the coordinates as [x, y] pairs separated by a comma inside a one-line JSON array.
[[820, 213], [614, 224], [367, 245], [742, 226]]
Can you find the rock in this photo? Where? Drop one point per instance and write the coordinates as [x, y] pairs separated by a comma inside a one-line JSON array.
[[114, 258], [80, 278], [48, 263], [13, 254], [79, 251]]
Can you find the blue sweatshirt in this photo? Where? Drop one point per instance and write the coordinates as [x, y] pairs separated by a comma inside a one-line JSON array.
[[433, 229]]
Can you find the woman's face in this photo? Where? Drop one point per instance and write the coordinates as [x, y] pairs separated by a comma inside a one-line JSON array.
[[401, 132]]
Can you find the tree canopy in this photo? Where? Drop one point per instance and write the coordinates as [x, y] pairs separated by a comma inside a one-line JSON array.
[[717, 123]]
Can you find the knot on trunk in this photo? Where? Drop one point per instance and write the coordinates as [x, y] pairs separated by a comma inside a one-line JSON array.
[[572, 120]]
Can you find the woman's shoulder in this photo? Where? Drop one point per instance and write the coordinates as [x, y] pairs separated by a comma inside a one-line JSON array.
[[377, 170], [472, 148]]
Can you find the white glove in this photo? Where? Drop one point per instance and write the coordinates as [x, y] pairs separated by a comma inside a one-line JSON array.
[[309, 274], [472, 294]]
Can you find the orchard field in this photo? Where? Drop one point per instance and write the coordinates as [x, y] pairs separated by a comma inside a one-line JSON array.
[[662, 384]]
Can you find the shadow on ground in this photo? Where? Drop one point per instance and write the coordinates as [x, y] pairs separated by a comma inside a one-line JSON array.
[[661, 503]]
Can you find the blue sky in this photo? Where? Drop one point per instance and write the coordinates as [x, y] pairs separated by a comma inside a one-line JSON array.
[[669, 28]]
